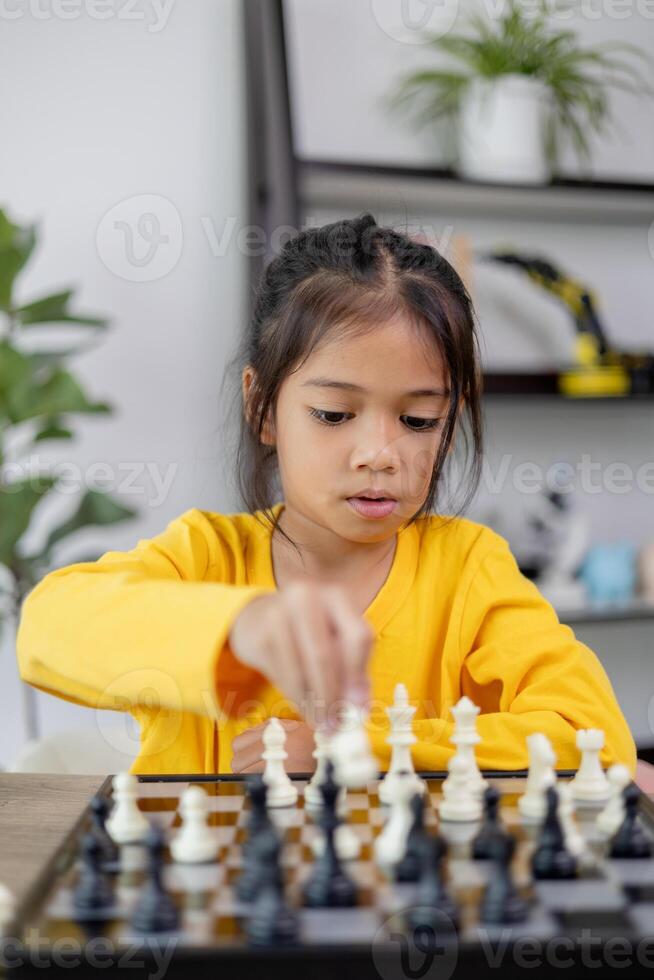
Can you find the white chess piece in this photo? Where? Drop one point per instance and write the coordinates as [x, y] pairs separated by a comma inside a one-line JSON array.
[[401, 739], [465, 737], [195, 842], [610, 818], [346, 842], [389, 846], [281, 790], [533, 802], [321, 752], [354, 763], [459, 802], [565, 811], [590, 785], [7, 910], [126, 823]]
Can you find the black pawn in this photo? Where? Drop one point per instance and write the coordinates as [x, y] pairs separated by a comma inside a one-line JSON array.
[[409, 867], [434, 908], [99, 813], [254, 867], [552, 860], [491, 827], [271, 922], [630, 841], [500, 903], [93, 892], [155, 910], [328, 886]]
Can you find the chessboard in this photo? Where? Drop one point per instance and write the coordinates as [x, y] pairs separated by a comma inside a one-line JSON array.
[[602, 917]]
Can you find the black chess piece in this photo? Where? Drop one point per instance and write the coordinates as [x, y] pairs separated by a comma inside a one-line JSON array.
[[630, 840], [491, 827], [551, 858], [271, 921], [434, 907], [254, 863], [409, 867], [155, 910], [328, 886], [99, 812], [500, 903], [93, 892]]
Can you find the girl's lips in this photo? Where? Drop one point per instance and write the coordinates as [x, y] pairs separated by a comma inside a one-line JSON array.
[[372, 508]]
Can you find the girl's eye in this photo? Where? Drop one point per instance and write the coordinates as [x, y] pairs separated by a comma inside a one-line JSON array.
[[321, 415]]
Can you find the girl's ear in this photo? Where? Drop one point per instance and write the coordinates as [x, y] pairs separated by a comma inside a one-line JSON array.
[[249, 383]]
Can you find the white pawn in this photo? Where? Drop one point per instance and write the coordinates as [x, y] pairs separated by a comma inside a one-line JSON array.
[[533, 803], [195, 842], [7, 910], [126, 823], [611, 817], [312, 794], [390, 844], [590, 785], [354, 763], [346, 842], [465, 737], [281, 791], [401, 739], [459, 802], [565, 811]]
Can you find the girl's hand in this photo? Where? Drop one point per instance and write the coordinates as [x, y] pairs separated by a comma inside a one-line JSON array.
[[311, 643], [248, 748]]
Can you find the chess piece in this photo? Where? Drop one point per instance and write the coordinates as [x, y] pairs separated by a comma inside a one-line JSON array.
[[7, 910], [551, 858], [574, 839], [434, 908], [500, 903], [409, 867], [354, 763], [155, 910], [195, 843], [312, 794], [459, 802], [126, 823], [259, 824], [389, 846], [281, 790], [401, 738], [610, 818], [532, 804], [629, 841], [491, 827], [328, 885], [271, 921], [590, 785], [465, 737], [93, 892], [99, 811]]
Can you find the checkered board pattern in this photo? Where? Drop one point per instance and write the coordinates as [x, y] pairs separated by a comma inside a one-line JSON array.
[[612, 895]]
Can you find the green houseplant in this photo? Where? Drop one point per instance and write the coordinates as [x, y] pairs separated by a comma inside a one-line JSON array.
[[38, 397], [494, 66]]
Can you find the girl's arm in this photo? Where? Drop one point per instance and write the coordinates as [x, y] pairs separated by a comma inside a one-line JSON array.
[[143, 626], [527, 672]]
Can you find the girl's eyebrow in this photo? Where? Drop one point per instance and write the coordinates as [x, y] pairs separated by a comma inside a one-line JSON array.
[[350, 386]]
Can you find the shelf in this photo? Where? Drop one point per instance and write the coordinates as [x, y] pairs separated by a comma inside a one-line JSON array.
[[635, 609], [544, 384], [362, 185]]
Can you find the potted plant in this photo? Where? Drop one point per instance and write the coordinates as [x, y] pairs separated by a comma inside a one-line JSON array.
[[38, 396], [515, 86]]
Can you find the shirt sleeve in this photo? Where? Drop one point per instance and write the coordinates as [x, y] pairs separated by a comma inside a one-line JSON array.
[[527, 672], [146, 627]]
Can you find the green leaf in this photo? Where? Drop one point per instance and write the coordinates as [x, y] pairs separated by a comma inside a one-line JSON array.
[[17, 501], [94, 508], [16, 246], [53, 430], [54, 309]]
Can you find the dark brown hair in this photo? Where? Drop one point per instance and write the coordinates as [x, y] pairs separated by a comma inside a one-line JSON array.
[[353, 275]]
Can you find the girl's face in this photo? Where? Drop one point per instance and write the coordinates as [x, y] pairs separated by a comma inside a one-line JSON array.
[[376, 424]]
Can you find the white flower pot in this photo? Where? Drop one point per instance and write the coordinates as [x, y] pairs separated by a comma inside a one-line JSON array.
[[501, 133]]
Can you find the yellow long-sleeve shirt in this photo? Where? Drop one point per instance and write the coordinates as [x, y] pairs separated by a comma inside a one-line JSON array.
[[146, 630]]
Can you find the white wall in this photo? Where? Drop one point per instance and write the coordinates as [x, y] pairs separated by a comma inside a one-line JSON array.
[[92, 113]]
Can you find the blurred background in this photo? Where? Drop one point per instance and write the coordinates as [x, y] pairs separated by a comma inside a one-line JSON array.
[[156, 154]]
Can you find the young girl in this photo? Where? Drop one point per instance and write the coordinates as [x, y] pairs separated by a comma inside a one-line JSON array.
[[359, 374]]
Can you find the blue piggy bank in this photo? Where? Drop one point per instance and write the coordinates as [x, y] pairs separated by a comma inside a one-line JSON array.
[[609, 572]]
